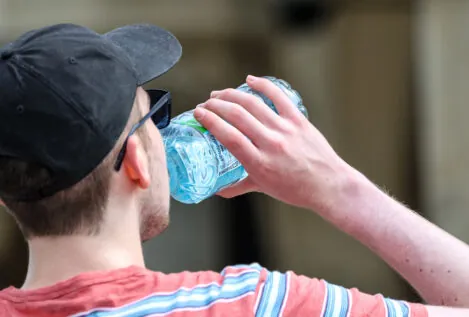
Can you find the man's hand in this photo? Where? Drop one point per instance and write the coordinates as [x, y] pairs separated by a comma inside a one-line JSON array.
[[289, 159], [285, 156]]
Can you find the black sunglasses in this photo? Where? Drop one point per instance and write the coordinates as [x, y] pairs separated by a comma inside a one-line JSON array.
[[160, 114]]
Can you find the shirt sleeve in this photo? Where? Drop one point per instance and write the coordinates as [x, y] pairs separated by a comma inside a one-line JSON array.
[[292, 295]]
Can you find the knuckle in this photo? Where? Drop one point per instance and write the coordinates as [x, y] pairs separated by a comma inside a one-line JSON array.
[[268, 86], [258, 161], [207, 120], [263, 82], [287, 128], [254, 99], [249, 100], [264, 169], [210, 104], [226, 94], [297, 117], [234, 144], [229, 91], [236, 113], [278, 144]]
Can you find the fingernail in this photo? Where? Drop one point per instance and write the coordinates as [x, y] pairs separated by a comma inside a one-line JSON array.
[[199, 113], [251, 78], [215, 93], [201, 105]]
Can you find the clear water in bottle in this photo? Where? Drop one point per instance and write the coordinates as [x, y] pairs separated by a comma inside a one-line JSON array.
[[199, 166]]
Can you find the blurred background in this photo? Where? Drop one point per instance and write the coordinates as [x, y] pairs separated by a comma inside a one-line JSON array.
[[385, 80]]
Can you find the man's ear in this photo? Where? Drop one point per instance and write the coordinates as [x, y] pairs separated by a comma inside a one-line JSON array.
[[136, 164]]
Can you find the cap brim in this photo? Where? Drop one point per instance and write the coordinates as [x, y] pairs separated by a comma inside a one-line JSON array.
[[152, 50]]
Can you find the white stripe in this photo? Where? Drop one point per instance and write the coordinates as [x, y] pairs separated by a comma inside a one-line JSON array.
[[188, 289], [337, 307], [185, 299], [324, 303], [287, 289], [273, 294], [386, 313], [349, 314], [409, 313], [195, 309], [397, 308], [259, 295]]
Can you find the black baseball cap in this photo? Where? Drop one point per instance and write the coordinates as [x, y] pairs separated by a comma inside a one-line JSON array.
[[66, 93]]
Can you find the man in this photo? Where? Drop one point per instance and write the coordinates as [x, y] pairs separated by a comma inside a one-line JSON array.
[[83, 171]]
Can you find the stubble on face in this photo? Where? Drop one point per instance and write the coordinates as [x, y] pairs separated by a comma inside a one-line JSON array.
[[154, 215]]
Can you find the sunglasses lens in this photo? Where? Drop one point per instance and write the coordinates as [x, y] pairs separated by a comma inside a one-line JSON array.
[[162, 115]]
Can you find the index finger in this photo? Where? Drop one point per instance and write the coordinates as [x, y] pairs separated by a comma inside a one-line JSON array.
[[252, 104], [236, 142]]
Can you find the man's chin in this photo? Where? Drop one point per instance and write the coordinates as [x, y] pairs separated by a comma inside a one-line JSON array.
[[154, 228]]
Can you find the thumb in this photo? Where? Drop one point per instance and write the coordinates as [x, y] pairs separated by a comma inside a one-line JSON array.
[[243, 187]]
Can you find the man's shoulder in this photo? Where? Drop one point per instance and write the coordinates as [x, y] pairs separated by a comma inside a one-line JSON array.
[[138, 291], [191, 292], [237, 280], [227, 271]]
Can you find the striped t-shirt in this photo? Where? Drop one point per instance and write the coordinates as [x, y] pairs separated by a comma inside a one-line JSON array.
[[248, 290]]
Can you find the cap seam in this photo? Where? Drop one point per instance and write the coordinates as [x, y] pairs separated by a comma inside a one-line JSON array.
[[54, 89]]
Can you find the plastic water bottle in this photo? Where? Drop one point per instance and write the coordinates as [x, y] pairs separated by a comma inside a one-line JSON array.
[[199, 166]]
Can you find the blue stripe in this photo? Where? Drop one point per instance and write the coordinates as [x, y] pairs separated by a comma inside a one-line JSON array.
[[331, 299], [329, 311], [405, 309], [345, 303], [186, 299], [393, 312], [273, 295], [265, 297], [390, 306], [281, 295], [326, 299]]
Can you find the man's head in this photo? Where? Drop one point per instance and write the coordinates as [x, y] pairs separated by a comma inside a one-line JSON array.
[[70, 108]]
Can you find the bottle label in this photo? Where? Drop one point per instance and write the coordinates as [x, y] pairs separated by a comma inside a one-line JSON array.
[[191, 122], [226, 161]]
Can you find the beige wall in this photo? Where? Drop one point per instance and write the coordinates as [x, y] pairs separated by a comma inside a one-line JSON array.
[[355, 81], [184, 18], [443, 69]]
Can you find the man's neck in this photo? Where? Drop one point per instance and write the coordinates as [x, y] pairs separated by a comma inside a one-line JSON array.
[[55, 259]]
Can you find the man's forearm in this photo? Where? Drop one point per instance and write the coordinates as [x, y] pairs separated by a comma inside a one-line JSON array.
[[433, 261], [435, 311]]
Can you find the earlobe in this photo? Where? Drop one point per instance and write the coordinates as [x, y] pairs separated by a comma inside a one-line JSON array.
[[135, 163]]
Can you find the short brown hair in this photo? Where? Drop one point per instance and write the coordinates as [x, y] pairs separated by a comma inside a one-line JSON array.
[[76, 210]]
